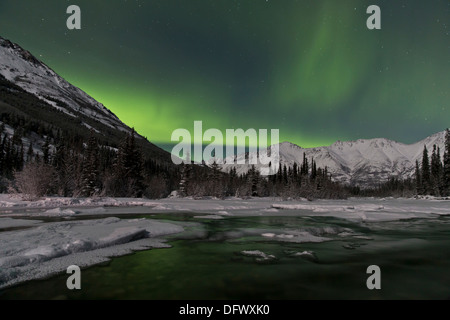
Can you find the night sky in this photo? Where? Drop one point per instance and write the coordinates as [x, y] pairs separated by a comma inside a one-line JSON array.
[[309, 68]]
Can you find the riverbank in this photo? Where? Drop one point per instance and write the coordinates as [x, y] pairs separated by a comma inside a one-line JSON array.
[[44, 237]]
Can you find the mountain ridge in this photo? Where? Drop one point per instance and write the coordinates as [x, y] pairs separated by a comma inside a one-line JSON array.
[[362, 162], [35, 77], [58, 101]]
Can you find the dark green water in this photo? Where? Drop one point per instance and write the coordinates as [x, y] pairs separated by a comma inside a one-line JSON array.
[[414, 257]]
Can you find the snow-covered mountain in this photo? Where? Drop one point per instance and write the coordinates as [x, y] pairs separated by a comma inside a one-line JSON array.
[[30, 89], [363, 162], [21, 68]]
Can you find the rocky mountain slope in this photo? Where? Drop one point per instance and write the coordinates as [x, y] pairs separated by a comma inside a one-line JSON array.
[[31, 90], [362, 162]]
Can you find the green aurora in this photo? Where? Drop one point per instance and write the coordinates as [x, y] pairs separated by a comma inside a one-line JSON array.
[[309, 68]]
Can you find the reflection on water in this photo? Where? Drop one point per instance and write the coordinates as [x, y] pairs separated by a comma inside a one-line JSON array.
[[313, 258]]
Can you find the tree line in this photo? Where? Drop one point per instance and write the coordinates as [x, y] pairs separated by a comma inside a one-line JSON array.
[[63, 167], [70, 166], [432, 175], [306, 181]]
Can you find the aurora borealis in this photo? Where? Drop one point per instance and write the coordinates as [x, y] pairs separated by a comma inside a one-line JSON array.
[[309, 68]]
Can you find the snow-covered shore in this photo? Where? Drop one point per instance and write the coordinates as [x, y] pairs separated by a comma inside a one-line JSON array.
[[377, 209]]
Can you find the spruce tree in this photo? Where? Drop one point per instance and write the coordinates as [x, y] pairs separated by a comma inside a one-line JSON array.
[[305, 165], [295, 172], [30, 152], [419, 184], [253, 180], [285, 175], [46, 151], [128, 169], [135, 162], [21, 158], [183, 181], [440, 177], [446, 169], [280, 174], [2, 155], [313, 169], [436, 168], [426, 176], [89, 177], [214, 177]]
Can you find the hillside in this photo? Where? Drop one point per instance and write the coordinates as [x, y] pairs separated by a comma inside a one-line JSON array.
[[32, 95]]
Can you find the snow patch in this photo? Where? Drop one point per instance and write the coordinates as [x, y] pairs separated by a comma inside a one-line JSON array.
[[58, 212]]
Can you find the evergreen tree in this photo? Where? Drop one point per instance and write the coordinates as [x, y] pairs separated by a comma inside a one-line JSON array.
[[436, 170], [214, 176], [295, 172], [30, 153], [280, 174], [21, 158], [128, 169], [418, 176], [446, 169], [46, 151], [2, 155], [254, 179], [440, 177], [183, 181], [426, 176], [89, 178], [313, 169], [305, 166], [285, 175]]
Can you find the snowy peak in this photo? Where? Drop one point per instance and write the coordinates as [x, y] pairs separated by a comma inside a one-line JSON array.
[[361, 162], [23, 69], [29, 89]]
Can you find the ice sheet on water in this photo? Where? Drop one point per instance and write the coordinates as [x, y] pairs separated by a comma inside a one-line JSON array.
[[258, 255], [285, 235], [307, 255], [23, 252]]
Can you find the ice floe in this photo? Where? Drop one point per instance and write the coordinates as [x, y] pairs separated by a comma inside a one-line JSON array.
[[26, 254]]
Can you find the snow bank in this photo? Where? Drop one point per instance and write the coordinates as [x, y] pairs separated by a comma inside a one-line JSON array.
[[58, 212], [14, 201], [355, 209], [369, 210], [22, 253]]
